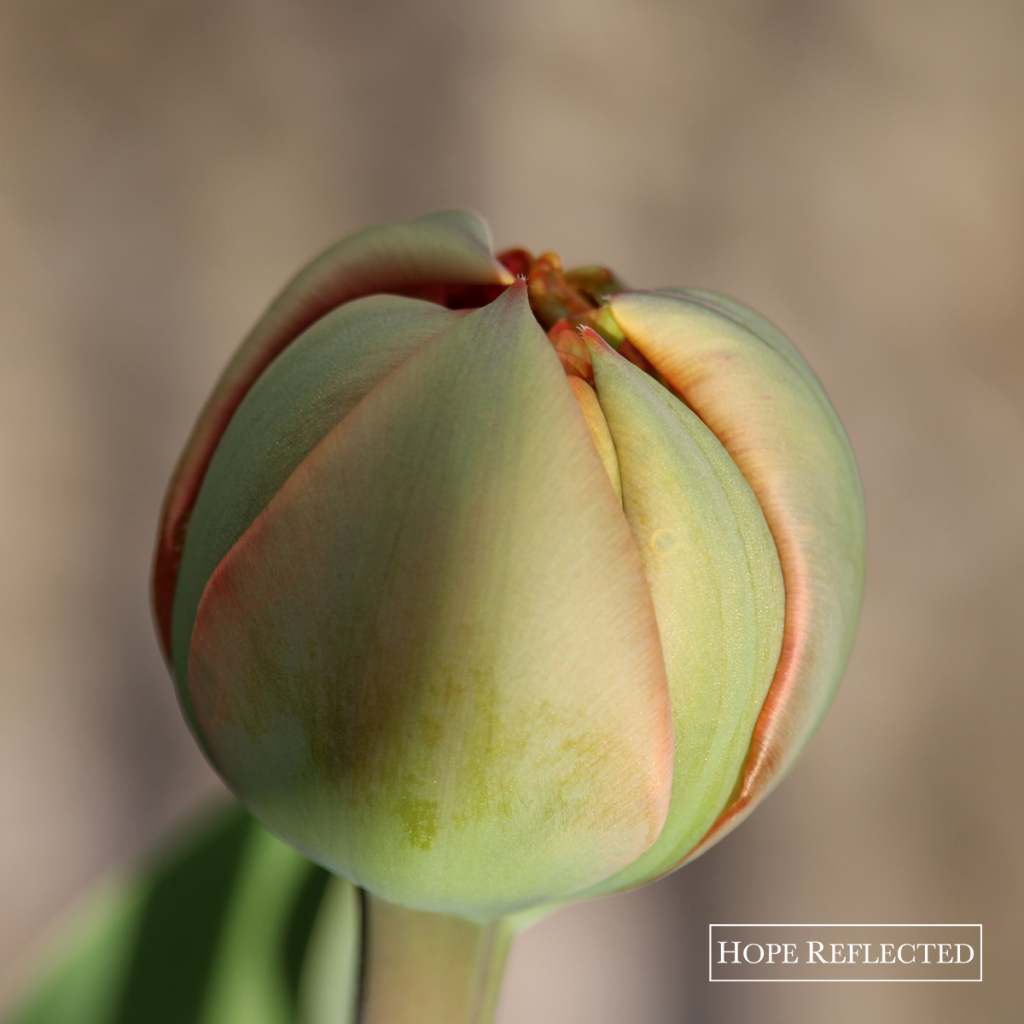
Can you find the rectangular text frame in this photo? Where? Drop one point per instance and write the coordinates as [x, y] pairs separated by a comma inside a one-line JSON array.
[[845, 981]]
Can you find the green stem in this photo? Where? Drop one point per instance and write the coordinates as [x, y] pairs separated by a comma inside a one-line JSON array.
[[422, 968]]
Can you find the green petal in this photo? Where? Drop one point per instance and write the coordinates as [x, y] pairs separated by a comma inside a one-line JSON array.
[[432, 663], [302, 395], [451, 248], [762, 402], [717, 585]]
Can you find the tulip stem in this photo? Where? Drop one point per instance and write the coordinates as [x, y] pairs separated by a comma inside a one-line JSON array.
[[424, 968]]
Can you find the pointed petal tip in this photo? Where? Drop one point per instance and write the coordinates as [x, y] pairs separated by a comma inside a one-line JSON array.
[[594, 340], [475, 227], [515, 301]]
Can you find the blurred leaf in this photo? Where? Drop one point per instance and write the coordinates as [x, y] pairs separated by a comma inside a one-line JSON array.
[[331, 960], [216, 932]]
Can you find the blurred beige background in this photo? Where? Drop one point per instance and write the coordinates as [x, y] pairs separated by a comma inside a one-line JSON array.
[[852, 168]]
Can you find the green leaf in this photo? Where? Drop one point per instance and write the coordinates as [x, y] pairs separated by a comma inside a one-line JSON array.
[[216, 931]]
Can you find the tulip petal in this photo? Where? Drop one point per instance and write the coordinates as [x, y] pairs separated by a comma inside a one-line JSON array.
[[450, 247], [717, 586], [762, 402], [598, 425], [301, 396], [432, 662], [759, 326]]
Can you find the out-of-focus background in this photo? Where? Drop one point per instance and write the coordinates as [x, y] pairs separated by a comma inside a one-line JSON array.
[[852, 168]]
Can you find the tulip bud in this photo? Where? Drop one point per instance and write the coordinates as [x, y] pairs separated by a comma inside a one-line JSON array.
[[488, 592]]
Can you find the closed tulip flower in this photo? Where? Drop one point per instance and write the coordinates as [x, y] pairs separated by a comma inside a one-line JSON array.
[[489, 586]]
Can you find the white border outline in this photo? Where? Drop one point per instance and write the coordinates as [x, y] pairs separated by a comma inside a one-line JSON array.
[[823, 981]]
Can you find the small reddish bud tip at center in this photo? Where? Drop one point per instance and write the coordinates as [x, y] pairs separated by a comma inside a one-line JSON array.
[[552, 298], [572, 350], [517, 261], [588, 334]]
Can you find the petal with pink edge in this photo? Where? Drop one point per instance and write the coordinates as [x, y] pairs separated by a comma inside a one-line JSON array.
[[765, 407], [448, 248]]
